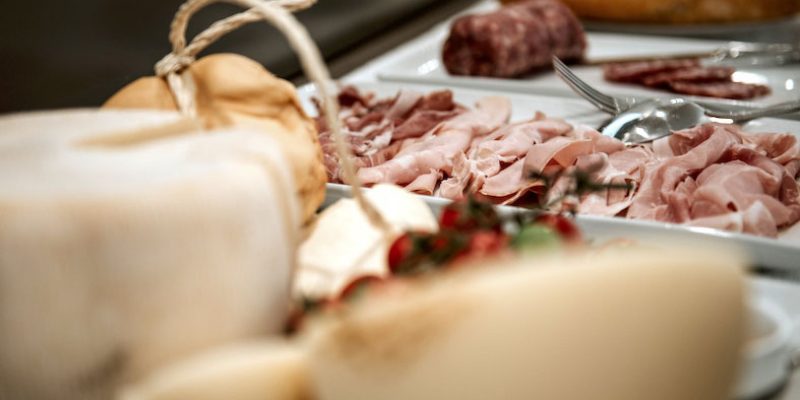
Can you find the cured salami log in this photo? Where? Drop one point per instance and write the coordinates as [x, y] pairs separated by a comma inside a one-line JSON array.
[[514, 40]]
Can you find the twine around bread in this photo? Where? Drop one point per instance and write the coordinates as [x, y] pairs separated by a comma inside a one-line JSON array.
[[173, 68]]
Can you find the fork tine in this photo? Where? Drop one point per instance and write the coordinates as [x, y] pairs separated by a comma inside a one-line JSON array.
[[570, 80], [609, 104], [581, 83]]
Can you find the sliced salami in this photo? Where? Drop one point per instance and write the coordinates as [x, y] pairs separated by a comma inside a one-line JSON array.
[[724, 90], [514, 40], [684, 76], [636, 71], [691, 74]]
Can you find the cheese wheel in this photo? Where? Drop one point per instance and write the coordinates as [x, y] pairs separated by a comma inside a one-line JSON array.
[[658, 325], [232, 90], [131, 238]]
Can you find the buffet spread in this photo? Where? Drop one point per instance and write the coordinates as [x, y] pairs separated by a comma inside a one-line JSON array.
[[211, 232]]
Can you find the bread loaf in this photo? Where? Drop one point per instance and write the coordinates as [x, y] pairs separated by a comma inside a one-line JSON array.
[[234, 91], [682, 11], [129, 239]]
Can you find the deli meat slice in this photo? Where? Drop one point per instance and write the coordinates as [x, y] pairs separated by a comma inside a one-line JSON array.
[[514, 40], [724, 90], [636, 71], [438, 149], [684, 76], [713, 175], [691, 74]]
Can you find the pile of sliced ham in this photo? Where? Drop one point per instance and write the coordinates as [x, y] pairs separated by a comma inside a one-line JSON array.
[[685, 76], [712, 175]]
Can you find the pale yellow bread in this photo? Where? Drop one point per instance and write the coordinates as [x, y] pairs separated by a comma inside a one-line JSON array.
[[235, 91], [129, 239], [656, 325]]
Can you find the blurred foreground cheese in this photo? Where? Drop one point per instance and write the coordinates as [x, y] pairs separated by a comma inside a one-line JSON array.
[[618, 326], [250, 371], [344, 244], [129, 239]]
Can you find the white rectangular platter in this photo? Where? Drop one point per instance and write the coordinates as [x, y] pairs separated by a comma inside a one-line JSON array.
[[420, 61], [781, 253]]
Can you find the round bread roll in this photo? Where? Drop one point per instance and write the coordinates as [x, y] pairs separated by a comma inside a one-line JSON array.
[[682, 11], [129, 239], [621, 325], [235, 91]]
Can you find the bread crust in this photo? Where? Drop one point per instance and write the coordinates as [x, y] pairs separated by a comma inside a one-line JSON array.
[[682, 11]]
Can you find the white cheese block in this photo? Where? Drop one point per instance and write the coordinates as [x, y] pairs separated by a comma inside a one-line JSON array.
[[623, 326], [343, 244], [129, 239]]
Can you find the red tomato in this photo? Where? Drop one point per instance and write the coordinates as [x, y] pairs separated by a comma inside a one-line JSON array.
[[481, 244], [449, 217], [399, 251], [562, 225]]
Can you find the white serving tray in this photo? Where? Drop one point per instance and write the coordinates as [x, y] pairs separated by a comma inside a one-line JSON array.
[[765, 362], [781, 253], [420, 61]]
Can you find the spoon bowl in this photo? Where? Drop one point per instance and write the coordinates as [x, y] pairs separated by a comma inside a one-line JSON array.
[[653, 119]]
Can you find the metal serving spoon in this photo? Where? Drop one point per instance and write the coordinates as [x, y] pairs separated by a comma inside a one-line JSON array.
[[653, 119], [642, 121]]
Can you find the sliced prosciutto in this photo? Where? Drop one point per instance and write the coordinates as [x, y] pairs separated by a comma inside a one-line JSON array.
[[376, 129], [439, 147]]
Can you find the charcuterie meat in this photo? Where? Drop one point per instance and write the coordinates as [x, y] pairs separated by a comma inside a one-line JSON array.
[[726, 90], [684, 76], [514, 40], [636, 71]]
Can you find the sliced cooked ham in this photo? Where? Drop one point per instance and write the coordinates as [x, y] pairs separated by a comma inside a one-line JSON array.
[[662, 178], [712, 175], [425, 184]]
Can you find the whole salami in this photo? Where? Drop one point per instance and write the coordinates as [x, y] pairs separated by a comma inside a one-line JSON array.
[[514, 40]]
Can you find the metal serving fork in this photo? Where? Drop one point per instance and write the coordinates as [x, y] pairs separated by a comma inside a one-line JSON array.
[[617, 105]]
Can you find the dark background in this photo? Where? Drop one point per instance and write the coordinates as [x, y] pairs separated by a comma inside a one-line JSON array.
[[57, 54]]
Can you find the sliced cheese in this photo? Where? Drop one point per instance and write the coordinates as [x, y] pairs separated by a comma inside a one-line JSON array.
[[343, 244], [129, 239], [620, 325]]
